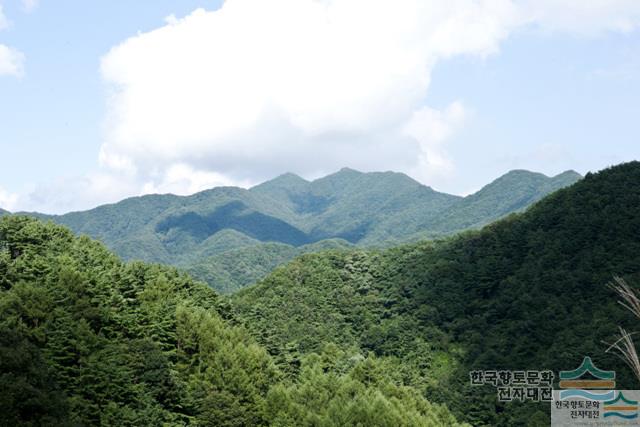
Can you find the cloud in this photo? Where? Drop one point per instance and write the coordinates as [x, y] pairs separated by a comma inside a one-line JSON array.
[[74, 193], [183, 179], [583, 18], [431, 128], [30, 5], [254, 89], [11, 61], [4, 22], [7, 200], [257, 88]]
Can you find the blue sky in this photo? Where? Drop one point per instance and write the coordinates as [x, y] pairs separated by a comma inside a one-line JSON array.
[[546, 104], [51, 118], [84, 124]]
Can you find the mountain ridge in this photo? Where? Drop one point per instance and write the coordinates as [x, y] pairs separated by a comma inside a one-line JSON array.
[[359, 208], [490, 199]]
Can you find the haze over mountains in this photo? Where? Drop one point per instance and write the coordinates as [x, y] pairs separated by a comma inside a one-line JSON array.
[[231, 237]]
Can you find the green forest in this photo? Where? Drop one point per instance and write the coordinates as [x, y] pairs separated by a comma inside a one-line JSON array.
[[342, 335], [88, 340], [528, 292], [272, 223]]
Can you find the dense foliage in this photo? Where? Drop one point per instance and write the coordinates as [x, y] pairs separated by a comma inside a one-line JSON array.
[[271, 223], [342, 337], [234, 269], [527, 292], [510, 193], [86, 339]]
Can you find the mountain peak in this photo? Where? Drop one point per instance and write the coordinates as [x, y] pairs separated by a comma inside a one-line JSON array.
[[512, 192], [286, 181], [568, 173], [348, 170], [345, 172], [290, 176], [522, 172], [289, 179], [386, 176], [527, 183]]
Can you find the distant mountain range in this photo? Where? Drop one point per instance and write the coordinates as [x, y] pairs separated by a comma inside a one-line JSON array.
[[231, 237]]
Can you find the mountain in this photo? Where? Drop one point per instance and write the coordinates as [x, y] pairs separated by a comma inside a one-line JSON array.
[[354, 206], [348, 336], [525, 293], [271, 223], [512, 192], [86, 340]]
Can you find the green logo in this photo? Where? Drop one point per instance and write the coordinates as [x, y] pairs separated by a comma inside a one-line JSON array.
[[621, 407], [600, 379]]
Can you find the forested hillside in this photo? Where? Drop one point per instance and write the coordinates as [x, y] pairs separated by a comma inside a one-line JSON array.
[[528, 292], [271, 223], [512, 192], [86, 339], [234, 269], [342, 337]]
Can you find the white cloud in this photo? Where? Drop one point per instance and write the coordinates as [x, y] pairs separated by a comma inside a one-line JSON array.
[[431, 128], [182, 179], [11, 61], [7, 200], [77, 193], [257, 88], [583, 17], [4, 22], [171, 19], [30, 5]]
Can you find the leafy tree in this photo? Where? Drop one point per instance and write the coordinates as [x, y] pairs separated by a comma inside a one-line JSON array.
[[86, 339]]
